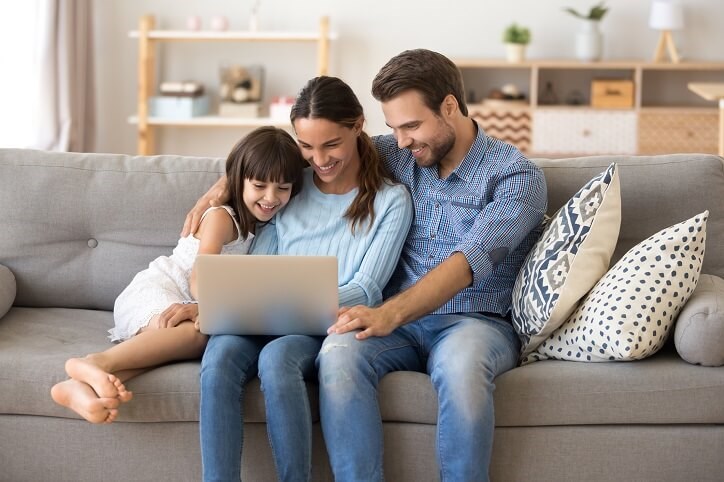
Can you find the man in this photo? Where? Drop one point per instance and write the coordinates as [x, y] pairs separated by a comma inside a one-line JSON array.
[[478, 204]]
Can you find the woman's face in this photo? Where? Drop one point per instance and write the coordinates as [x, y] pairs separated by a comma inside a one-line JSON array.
[[331, 150], [265, 199]]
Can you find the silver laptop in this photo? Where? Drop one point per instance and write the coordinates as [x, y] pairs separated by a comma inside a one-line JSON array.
[[266, 295]]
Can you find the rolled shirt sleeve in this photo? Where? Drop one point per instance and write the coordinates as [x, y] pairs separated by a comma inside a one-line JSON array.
[[517, 207]]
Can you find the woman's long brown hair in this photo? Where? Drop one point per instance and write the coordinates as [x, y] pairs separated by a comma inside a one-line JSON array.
[[331, 99]]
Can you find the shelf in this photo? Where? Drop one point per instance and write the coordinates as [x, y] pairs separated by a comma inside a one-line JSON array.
[[664, 115], [229, 35], [149, 38], [564, 64], [682, 109], [215, 121]]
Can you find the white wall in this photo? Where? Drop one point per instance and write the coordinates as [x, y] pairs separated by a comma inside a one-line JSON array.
[[369, 33]]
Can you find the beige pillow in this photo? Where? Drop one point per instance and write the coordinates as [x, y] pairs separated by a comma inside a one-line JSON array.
[[7, 290], [571, 255], [699, 334]]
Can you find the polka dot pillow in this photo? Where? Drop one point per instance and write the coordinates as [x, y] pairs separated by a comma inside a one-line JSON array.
[[632, 309], [573, 253]]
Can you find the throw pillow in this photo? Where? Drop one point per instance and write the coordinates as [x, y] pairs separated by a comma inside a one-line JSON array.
[[7, 290], [699, 334], [629, 313], [573, 253]]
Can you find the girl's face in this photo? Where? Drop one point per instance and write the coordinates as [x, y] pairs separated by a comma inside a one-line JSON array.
[[331, 150], [264, 199]]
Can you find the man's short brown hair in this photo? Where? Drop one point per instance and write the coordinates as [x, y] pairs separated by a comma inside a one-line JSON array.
[[432, 74]]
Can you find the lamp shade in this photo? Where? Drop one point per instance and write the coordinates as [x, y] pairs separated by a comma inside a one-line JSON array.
[[666, 15]]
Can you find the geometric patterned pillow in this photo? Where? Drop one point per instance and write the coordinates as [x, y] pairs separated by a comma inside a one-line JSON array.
[[632, 309], [571, 255]]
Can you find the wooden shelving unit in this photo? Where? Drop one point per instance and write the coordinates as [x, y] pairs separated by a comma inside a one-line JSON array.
[[664, 116], [148, 38]]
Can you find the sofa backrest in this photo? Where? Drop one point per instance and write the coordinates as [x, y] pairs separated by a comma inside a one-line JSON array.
[[656, 192], [77, 227]]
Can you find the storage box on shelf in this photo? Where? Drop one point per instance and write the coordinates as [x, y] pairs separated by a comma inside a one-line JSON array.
[[148, 38], [571, 109]]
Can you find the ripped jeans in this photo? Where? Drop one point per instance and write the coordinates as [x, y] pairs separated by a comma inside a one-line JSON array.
[[463, 353]]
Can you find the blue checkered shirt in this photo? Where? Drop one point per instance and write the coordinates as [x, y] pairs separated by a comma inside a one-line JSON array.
[[490, 208]]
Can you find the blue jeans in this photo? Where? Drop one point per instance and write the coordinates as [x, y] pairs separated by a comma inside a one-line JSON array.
[[463, 354], [284, 365], [228, 363]]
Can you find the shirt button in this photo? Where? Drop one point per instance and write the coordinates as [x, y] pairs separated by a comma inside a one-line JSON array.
[[431, 257], [92, 243], [432, 236], [437, 206]]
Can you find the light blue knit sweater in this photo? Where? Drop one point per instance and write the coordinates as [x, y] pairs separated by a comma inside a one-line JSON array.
[[313, 224]]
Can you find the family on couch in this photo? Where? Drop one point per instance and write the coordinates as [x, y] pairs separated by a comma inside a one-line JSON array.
[[476, 209]]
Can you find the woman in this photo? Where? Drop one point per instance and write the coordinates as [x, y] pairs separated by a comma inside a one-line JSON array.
[[348, 208]]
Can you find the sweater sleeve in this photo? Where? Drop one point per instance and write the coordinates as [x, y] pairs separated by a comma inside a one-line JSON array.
[[383, 252]]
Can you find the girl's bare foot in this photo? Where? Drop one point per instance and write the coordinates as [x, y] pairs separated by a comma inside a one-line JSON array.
[[124, 395], [81, 398], [103, 383]]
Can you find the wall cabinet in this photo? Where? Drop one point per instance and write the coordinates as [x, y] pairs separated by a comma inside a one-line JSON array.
[[148, 38], [556, 117]]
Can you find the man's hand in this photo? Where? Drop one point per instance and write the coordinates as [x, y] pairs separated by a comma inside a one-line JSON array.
[[215, 196], [176, 313], [372, 321]]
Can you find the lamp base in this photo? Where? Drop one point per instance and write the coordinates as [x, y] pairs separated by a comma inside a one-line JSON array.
[[666, 41]]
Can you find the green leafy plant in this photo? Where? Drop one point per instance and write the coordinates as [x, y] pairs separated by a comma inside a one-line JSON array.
[[596, 13], [515, 34]]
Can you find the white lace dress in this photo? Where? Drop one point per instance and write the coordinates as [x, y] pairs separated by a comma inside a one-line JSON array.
[[164, 282]]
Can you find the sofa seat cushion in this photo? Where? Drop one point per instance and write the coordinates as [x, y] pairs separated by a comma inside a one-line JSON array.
[[35, 342], [662, 389]]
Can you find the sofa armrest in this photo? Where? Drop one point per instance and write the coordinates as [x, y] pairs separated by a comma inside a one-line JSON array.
[[699, 335], [7, 290]]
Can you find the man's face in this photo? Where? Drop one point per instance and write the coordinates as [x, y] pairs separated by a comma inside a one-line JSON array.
[[428, 136]]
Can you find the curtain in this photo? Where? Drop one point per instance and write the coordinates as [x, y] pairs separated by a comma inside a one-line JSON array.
[[66, 107]]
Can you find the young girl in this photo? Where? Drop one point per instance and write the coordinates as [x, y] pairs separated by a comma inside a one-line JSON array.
[[264, 171]]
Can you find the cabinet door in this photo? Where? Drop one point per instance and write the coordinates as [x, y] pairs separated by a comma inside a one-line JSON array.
[[509, 124], [583, 131], [672, 132]]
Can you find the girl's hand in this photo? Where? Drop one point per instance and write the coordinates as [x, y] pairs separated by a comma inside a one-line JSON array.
[[176, 313]]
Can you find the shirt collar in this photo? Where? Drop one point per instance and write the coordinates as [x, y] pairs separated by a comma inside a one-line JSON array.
[[474, 157]]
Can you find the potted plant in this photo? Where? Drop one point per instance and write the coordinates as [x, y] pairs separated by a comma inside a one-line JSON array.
[[589, 40], [596, 13], [516, 38]]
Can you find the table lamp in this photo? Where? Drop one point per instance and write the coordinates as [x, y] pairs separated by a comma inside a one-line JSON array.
[[666, 15]]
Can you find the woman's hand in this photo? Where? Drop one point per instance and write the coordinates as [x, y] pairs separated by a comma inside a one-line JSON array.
[[215, 196], [176, 313]]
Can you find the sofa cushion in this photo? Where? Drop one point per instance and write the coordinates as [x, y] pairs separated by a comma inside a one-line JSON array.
[[656, 191], [77, 227], [699, 334], [34, 344], [7, 289], [629, 313], [661, 389], [573, 252]]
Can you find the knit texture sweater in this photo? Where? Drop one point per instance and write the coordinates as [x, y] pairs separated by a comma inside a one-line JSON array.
[[313, 224]]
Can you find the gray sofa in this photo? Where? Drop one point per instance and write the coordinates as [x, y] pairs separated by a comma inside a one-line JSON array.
[[76, 227]]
